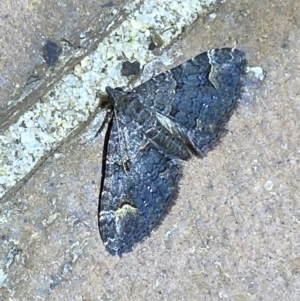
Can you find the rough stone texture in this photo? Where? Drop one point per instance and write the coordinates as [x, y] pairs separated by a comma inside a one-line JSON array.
[[234, 232]]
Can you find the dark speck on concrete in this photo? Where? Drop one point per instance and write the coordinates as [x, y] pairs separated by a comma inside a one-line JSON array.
[[51, 53], [152, 46], [108, 4], [129, 68], [284, 45]]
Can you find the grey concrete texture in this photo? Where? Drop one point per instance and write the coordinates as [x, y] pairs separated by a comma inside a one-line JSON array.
[[234, 231], [26, 26]]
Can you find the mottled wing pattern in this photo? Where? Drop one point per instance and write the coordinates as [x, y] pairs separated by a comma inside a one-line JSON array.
[[173, 115], [199, 96], [138, 180]]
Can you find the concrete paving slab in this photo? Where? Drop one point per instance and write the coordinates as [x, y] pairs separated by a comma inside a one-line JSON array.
[[25, 28]]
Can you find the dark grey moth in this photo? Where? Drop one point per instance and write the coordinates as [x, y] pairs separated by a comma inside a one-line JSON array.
[[174, 115]]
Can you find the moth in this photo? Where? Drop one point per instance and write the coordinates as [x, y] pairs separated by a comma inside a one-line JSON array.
[[174, 115]]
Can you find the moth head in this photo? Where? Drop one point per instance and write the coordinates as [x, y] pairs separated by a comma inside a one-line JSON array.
[[116, 96]]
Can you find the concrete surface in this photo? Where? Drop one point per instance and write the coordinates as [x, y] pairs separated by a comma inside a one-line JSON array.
[[234, 232], [25, 26]]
